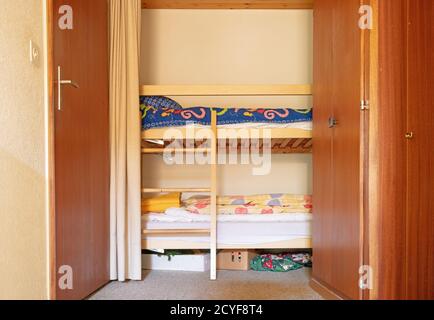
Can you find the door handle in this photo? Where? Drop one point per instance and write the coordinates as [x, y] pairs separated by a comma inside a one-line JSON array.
[[409, 135], [72, 83], [333, 122], [61, 82]]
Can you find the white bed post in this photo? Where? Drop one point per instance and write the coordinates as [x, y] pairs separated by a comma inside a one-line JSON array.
[[213, 226]]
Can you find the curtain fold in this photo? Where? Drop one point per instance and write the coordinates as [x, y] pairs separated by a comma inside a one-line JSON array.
[[125, 215]]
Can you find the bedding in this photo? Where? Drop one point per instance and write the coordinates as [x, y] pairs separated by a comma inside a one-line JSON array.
[[257, 204], [164, 117], [279, 199], [249, 209], [296, 125], [161, 203], [159, 102], [265, 204], [181, 215], [237, 230]]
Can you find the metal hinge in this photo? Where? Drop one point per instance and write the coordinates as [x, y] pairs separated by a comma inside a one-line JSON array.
[[364, 105]]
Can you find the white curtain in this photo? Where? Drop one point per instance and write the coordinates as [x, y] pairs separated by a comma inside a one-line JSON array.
[[125, 224]]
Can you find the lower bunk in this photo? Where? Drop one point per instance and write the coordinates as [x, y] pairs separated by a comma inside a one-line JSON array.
[[178, 230]]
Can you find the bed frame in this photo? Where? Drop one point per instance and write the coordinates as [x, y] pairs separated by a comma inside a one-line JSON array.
[[286, 140], [227, 4], [150, 242]]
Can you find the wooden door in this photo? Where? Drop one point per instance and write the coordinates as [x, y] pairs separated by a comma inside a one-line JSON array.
[[81, 146], [420, 157], [406, 211], [323, 240], [337, 147], [390, 235]]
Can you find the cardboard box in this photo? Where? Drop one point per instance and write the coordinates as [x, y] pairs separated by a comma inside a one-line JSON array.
[[194, 263], [238, 260]]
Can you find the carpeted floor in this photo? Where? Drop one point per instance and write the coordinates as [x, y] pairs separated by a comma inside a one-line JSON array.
[[231, 285]]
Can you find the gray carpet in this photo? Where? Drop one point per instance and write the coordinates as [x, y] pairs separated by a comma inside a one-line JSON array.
[[231, 285]]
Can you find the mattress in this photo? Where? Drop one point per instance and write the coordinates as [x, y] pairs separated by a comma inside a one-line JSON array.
[[306, 125], [236, 229]]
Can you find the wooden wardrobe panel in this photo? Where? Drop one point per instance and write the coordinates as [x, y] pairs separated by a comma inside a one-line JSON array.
[[323, 227], [392, 150], [420, 206], [406, 205], [337, 93], [346, 146]]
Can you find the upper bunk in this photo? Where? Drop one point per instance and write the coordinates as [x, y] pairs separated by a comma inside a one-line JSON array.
[[286, 137]]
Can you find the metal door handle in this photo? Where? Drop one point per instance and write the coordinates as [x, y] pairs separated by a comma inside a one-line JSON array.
[[333, 122], [61, 82], [72, 83]]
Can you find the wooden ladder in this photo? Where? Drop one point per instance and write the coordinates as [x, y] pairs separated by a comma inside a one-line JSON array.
[[212, 231]]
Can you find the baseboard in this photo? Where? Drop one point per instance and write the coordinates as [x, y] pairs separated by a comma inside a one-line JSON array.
[[323, 291]]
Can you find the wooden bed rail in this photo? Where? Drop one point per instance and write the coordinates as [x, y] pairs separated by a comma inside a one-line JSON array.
[[213, 207], [227, 4], [226, 90]]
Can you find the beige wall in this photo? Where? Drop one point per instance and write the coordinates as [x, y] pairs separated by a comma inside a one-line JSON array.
[[23, 246], [230, 47], [289, 174]]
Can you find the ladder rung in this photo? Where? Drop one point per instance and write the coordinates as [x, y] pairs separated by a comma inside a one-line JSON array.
[[169, 190], [176, 231], [161, 150]]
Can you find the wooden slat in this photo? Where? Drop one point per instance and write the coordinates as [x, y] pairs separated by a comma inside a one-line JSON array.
[[227, 4], [297, 143], [176, 231], [298, 146], [226, 90], [293, 146], [308, 144], [285, 143], [169, 190], [275, 143]]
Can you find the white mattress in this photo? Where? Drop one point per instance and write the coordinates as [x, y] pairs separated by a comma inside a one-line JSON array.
[[307, 125], [236, 229]]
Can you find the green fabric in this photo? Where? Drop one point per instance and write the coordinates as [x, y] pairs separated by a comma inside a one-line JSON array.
[[274, 263]]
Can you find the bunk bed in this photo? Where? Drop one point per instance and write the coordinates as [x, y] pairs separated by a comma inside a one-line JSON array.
[[285, 139], [214, 232]]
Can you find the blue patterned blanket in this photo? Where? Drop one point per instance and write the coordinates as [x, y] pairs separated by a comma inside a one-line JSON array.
[[163, 117]]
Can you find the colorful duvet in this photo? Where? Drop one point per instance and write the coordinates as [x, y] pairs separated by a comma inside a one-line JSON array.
[[259, 204], [162, 117]]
